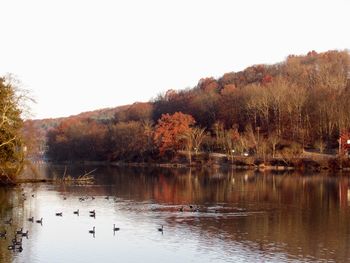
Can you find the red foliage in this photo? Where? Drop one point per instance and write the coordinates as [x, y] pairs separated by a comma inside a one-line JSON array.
[[266, 79]]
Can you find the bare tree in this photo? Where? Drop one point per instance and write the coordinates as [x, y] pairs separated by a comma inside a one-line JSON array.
[[193, 139], [273, 140]]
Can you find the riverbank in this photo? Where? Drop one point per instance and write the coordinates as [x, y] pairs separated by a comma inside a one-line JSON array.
[[307, 162]]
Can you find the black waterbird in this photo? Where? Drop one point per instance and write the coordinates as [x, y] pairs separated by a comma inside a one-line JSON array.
[[92, 231], [115, 228]]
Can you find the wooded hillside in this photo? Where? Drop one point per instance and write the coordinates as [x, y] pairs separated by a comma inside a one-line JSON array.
[[264, 110]]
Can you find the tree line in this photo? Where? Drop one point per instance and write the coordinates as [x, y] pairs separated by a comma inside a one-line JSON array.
[[264, 110]]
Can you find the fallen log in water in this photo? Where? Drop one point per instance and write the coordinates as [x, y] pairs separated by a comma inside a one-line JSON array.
[[86, 178]]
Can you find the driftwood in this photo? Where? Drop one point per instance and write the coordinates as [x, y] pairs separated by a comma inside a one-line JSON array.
[[86, 178]]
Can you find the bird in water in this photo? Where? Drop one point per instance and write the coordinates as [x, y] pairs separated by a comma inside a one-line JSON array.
[[92, 231], [92, 213], [115, 228], [160, 229], [25, 234]]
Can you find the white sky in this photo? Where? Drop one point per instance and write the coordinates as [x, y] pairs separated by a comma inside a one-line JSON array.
[[80, 55]]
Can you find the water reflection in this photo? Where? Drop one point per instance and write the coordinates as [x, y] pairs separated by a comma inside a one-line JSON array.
[[207, 216]]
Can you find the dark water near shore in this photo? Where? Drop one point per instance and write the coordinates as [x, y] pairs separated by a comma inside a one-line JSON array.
[[227, 216]]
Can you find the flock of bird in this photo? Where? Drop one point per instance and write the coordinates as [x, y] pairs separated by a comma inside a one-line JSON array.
[[16, 242]]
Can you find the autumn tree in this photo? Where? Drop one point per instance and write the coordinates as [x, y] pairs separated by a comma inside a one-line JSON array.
[[11, 143], [169, 130]]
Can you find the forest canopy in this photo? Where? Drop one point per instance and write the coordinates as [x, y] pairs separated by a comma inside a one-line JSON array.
[[300, 102]]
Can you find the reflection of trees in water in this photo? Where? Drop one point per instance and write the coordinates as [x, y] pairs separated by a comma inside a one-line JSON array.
[[293, 214], [11, 202], [300, 215]]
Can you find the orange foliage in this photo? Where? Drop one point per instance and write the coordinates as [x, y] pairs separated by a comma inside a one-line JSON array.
[[169, 128]]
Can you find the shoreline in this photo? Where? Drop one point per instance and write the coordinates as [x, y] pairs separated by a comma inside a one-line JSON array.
[[299, 164], [302, 165]]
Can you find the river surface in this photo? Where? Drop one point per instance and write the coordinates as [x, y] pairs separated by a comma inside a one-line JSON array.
[[207, 216]]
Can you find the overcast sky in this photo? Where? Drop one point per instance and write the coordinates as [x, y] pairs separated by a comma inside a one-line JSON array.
[[81, 55]]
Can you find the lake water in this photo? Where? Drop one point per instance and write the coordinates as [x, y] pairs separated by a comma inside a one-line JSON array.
[[207, 216]]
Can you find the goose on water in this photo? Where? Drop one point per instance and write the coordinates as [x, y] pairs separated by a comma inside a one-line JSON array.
[[92, 231], [25, 234], [115, 228]]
